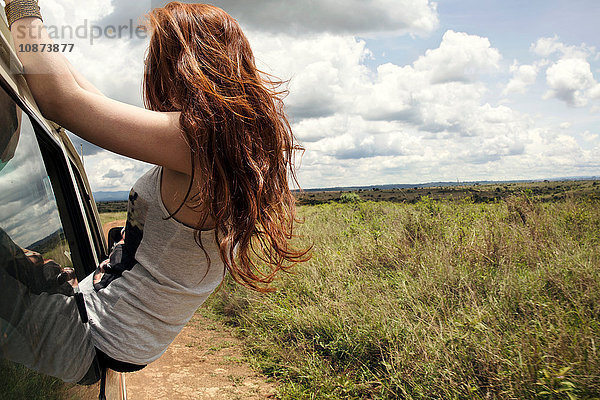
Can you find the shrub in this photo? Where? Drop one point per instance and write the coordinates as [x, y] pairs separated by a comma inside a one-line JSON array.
[[349, 198]]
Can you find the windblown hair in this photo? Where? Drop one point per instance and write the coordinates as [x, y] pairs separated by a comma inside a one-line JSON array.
[[199, 62]]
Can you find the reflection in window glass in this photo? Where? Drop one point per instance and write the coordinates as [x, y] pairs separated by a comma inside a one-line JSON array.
[[28, 211], [37, 311]]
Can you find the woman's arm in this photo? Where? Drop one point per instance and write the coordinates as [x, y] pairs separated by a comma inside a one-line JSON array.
[[135, 132], [80, 79]]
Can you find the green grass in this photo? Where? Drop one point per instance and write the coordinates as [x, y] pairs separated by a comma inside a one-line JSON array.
[[18, 383], [433, 300], [112, 216]]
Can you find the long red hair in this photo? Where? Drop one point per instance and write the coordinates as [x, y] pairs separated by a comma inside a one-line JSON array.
[[199, 62]]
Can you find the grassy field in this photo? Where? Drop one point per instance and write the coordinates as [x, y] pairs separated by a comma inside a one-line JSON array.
[[442, 300], [435, 299], [112, 216], [543, 191]]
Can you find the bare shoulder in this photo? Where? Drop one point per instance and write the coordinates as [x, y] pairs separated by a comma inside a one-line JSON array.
[[174, 187]]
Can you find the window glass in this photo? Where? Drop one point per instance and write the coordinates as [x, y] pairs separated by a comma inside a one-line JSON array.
[[40, 324], [28, 210]]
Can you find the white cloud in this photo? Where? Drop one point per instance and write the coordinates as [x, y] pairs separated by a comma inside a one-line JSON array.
[[460, 57], [111, 172], [563, 149], [328, 75], [570, 76], [594, 92], [428, 120], [70, 12], [565, 125], [424, 118], [522, 77], [390, 95], [371, 17], [589, 136], [548, 46], [315, 129], [571, 80]]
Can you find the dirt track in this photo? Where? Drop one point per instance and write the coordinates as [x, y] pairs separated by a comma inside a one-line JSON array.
[[204, 362]]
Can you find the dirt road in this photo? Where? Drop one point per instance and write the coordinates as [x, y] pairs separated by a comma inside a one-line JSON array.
[[204, 362]]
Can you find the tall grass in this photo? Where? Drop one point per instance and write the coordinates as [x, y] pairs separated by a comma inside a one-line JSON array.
[[434, 300]]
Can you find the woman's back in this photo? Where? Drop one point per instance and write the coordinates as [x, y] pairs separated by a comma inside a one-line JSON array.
[[155, 281]]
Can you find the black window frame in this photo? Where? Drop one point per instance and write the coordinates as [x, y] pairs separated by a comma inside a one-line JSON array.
[[90, 213], [86, 251]]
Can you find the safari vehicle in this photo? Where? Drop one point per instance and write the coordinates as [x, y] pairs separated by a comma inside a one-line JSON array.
[[46, 206]]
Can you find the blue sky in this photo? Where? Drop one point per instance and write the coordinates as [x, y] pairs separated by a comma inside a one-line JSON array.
[[510, 25], [397, 91]]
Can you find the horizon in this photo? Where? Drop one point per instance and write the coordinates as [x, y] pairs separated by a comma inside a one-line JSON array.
[[421, 185]]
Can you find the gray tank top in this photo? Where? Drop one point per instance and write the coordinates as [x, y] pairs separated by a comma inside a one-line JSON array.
[[155, 283]]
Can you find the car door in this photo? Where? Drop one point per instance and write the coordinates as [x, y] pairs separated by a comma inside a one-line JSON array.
[[46, 211]]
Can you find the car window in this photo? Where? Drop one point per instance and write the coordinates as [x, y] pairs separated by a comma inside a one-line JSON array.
[[28, 210], [33, 250]]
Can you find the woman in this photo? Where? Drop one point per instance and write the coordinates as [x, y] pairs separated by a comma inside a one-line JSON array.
[[215, 129]]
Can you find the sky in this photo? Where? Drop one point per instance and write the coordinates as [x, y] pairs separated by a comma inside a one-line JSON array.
[[390, 91]]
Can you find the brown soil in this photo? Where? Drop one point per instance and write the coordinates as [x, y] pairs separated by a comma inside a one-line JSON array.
[[204, 362], [113, 224]]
